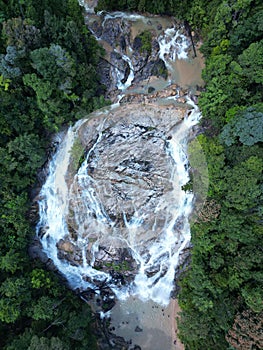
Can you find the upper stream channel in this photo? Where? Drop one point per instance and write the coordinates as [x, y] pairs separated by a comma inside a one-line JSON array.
[[114, 218]]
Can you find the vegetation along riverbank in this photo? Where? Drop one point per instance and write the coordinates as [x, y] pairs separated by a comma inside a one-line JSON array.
[[49, 79]]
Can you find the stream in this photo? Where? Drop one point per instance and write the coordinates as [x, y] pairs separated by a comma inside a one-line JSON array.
[[113, 217]]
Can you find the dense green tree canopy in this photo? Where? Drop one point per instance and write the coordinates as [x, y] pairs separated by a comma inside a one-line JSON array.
[[245, 127], [46, 55], [226, 270]]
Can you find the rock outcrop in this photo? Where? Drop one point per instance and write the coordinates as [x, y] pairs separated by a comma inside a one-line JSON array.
[[126, 177], [116, 35]]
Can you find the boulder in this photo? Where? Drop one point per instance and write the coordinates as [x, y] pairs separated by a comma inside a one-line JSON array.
[[138, 329], [35, 251]]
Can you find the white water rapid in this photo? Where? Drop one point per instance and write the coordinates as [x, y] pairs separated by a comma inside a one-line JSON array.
[[123, 86], [164, 247], [173, 44], [164, 250], [176, 233]]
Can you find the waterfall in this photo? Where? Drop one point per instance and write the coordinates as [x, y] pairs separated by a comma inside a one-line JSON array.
[[172, 42], [173, 45], [163, 251], [128, 82], [175, 233], [74, 211]]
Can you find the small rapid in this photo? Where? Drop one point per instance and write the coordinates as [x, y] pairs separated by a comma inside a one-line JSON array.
[[120, 75], [113, 32]]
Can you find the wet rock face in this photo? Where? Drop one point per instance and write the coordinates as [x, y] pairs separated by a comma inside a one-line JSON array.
[[125, 178], [104, 69], [151, 67], [122, 66], [116, 33], [136, 174]]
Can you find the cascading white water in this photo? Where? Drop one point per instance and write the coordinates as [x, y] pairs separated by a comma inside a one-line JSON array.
[[120, 75], [87, 8], [124, 15], [53, 208], [177, 231], [164, 250], [173, 45]]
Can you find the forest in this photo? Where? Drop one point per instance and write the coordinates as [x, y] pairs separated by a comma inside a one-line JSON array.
[[48, 79]]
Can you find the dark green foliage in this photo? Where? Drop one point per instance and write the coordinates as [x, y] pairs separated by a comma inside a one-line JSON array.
[[152, 6], [245, 127], [243, 190], [146, 41], [251, 62], [233, 75], [58, 323], [51, 57], [47, 79], [247, 31], [226, 271]]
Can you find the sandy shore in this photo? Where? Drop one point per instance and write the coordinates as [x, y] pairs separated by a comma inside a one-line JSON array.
[[147, 324], [175, 309]]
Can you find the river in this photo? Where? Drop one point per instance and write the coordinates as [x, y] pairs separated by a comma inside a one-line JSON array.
[[121, 218]]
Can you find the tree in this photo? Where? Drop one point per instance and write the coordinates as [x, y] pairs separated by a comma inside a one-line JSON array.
[[9, 67], [9, 310], [55, 65], [245, 127], [215, 157], [251, 61], [253, 296], [14, 293], [42, 343], [21, 342], [21, 34], [248, 30], [14, 226], [246, 332], [11, 261], [19, 114], [24, 149], [44, 309], [242, 184]]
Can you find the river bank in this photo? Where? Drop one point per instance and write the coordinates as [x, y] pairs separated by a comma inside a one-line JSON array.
[[146, 324]]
